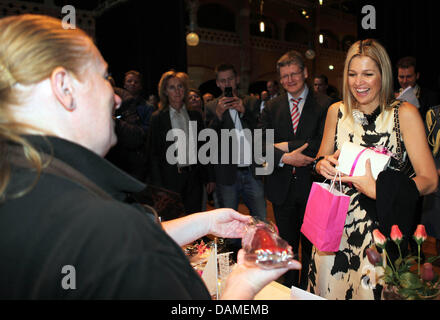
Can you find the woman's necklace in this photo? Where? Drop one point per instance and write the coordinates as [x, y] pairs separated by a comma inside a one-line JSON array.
[[365, 119]]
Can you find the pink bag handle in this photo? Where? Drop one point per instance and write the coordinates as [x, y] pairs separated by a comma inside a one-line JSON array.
[[334, 180]]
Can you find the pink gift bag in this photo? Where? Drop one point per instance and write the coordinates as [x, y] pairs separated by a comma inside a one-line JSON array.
[[325, 215]]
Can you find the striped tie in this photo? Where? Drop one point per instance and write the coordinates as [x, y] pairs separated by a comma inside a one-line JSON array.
[[295, 113]]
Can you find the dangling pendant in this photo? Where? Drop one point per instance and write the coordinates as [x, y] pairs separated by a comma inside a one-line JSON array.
[[359, 117]]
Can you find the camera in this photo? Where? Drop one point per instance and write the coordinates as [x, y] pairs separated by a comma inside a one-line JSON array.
[[228, 92]]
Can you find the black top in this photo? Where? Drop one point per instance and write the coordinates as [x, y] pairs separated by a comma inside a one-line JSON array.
[[116, 249]]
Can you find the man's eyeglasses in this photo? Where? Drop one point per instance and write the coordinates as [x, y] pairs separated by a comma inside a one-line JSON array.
[[292, 75]]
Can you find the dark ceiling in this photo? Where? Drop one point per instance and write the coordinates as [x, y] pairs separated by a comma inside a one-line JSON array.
[[348, 6]]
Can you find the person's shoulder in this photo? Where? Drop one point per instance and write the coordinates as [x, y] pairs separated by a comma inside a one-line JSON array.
[[281, 98], [159, 113], [251, 102], [122, 93], [195, 115], [68, 201], [335, 107], [249, 98], [407, 111], [404, 106], [211, 105], [322, 100]]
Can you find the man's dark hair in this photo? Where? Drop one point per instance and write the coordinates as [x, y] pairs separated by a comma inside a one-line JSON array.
[[135, 73], [322, 77], [224, 67], [407, 62]]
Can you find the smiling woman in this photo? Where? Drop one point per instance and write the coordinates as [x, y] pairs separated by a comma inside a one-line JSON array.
[[364, 81], [391, 199]]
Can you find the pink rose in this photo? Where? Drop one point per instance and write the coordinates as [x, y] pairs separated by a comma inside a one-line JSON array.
[[427, 273], [379, 238], [396, 234], [373, 256], [420, 234]]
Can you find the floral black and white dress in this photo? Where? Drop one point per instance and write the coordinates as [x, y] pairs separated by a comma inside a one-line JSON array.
[[346, 273]]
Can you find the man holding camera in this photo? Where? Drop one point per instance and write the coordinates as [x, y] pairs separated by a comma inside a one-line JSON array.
[[235, 113]]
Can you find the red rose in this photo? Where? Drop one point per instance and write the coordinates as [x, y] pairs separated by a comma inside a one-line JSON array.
[[427, 273], [396, 235], [420, 234], [379, 238], [373, 256]]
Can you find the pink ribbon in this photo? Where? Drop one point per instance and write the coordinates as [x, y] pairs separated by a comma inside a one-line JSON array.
[[377, 149], [382, 150], [353, 167]]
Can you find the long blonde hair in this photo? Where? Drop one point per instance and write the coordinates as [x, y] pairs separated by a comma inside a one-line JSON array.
[[374, 50], [31, 47]]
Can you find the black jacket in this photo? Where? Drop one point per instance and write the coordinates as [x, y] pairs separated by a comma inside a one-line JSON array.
[[276, 116], [116, 249], [226, 173], [162, 173]]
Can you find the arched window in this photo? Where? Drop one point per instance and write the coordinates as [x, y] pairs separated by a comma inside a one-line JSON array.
[[216, 16]]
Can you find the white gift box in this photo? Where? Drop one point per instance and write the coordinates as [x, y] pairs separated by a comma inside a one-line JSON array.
[[353, 157]]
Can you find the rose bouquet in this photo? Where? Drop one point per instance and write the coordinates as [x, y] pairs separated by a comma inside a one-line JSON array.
[[406, 278]]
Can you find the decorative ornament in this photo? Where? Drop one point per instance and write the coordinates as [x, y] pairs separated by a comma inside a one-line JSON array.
[[192, 39], [359, 117], [310, 54]]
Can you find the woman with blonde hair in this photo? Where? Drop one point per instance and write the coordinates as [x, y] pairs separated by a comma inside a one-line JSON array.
[[182, 173], [369, 116], [68, 226]]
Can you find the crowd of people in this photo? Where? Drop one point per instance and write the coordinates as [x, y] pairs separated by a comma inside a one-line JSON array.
[[63, 204]]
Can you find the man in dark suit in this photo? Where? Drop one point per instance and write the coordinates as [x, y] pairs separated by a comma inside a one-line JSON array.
[[235, 177], [297, 118], [408, 75]]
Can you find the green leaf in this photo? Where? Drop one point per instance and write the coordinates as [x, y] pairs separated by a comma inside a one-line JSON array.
[[432, 259], [388, 274], [398, 262], [409, 280], [410, 260], [408, 294]]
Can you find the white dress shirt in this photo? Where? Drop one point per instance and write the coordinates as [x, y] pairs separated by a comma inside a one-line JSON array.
[[180, 120]]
